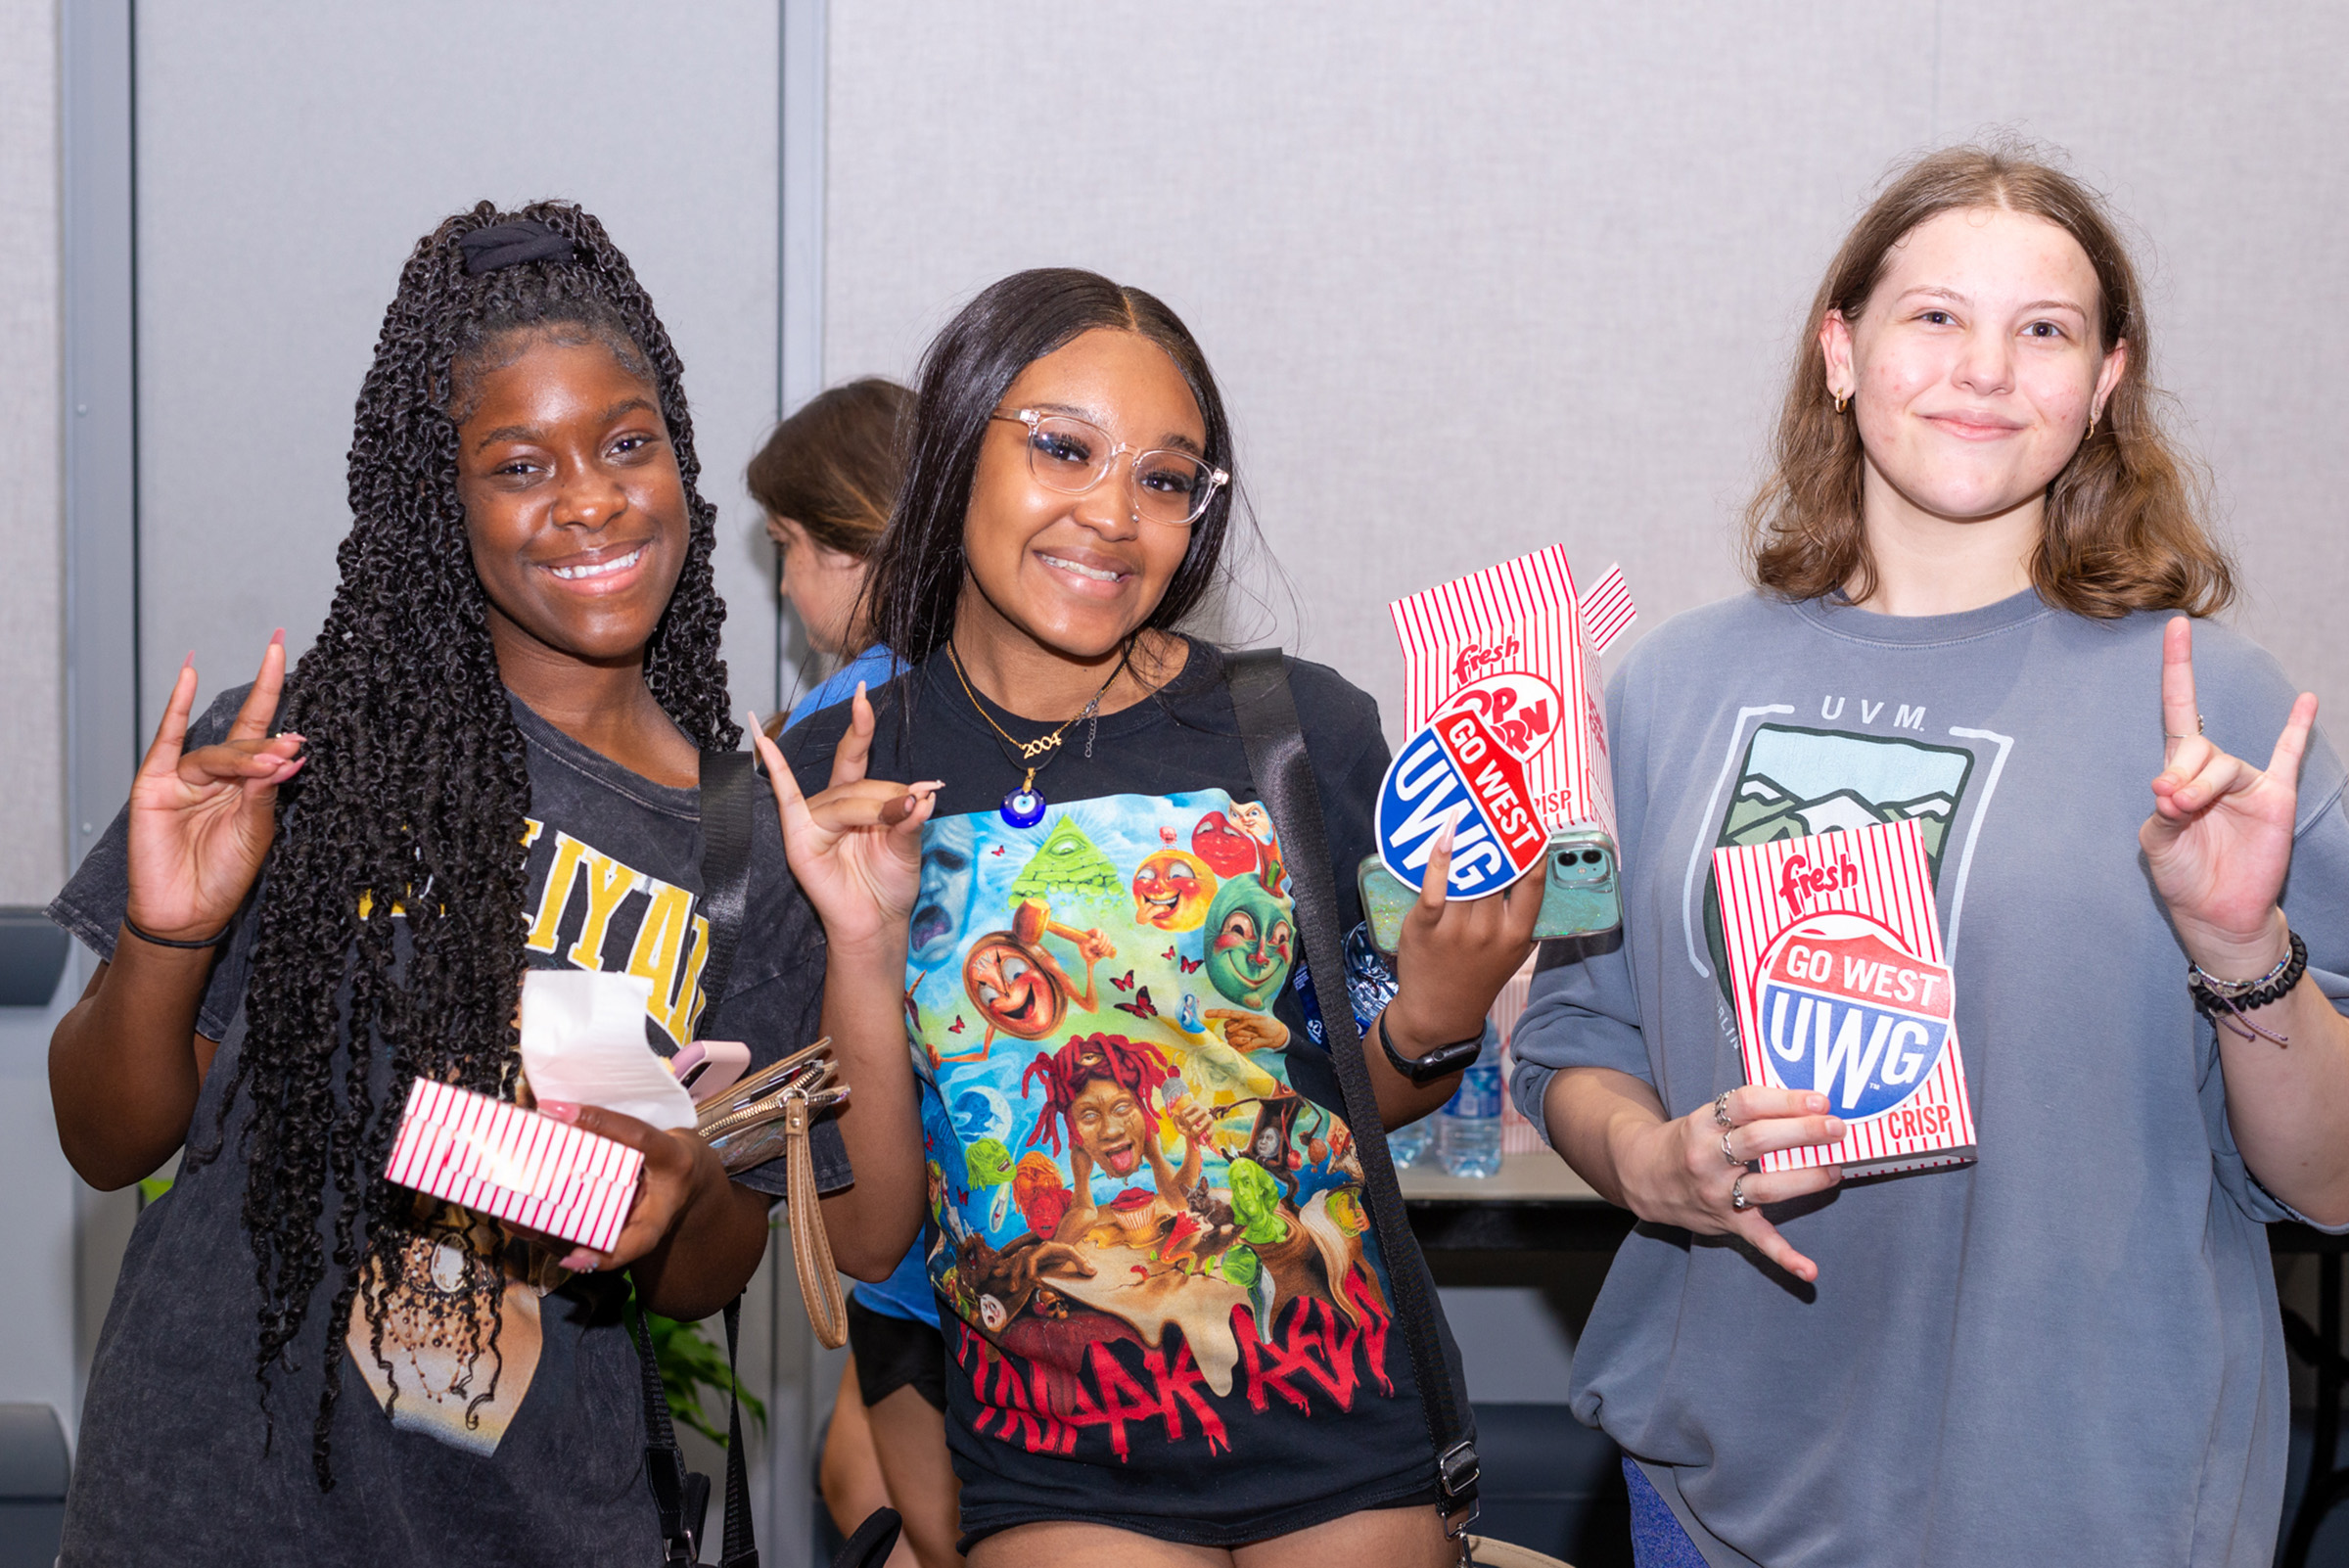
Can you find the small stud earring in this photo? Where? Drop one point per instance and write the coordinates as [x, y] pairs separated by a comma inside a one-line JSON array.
[[1840, 402]]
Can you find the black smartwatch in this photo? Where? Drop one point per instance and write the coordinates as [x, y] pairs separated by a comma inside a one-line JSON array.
[[1444, 1059]]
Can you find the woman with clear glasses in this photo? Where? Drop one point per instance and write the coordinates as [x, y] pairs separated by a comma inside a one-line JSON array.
[[1976, 559], [1170, 1325]]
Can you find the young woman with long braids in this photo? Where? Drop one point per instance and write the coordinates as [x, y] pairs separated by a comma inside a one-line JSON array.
[[1977, 559], [1169, 1321], [330, 886]]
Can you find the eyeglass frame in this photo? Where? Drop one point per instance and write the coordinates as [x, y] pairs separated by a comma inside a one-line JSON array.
[[1217, 478]]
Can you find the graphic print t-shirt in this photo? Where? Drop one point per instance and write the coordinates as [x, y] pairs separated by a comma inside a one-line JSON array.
[[496, 1412], [1163, 1298]]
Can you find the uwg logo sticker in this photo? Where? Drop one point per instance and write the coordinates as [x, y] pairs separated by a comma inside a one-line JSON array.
[[1467, 766], [1849, 1012], [1843, 989]]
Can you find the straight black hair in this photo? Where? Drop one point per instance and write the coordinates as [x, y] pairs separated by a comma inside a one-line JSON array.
[[919, 565]]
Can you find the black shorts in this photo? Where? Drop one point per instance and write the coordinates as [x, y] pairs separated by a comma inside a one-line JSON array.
[[894, 1353]]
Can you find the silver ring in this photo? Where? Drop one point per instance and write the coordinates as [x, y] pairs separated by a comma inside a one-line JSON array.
[[1727, 1152], [2199, 727], [1721, 1109], [1737, 1198]]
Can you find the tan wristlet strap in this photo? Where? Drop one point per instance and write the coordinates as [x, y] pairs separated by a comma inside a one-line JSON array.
[[810, 1247]]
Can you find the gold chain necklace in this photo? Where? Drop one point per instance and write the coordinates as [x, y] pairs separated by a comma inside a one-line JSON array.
[[1023, 808]]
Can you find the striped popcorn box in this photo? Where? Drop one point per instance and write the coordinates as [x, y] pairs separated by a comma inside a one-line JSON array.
[[1842, 989], [1516, 644], [516, 1165]]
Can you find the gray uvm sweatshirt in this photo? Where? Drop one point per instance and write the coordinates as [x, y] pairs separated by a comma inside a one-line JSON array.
[[2069, 1350]]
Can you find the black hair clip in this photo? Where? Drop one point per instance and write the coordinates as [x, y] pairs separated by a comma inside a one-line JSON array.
[[510, 245]]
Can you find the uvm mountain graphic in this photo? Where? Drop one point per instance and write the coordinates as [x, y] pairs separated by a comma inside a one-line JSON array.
[[1796, 782], [1766, 810]]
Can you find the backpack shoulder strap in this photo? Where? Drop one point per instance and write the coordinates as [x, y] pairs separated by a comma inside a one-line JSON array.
[[1266, 711]]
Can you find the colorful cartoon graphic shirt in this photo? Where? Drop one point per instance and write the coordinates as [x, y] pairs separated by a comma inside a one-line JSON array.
[[2067, 1351], [506, 1418], [1164, 1301]]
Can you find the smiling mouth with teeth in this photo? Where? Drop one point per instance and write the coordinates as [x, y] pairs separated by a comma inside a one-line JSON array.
[[599, 568], [1094, 573]]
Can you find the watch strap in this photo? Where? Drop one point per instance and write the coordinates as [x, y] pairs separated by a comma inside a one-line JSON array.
[[1426, 1067]]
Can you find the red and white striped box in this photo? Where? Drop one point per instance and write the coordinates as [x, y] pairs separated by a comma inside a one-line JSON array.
[[1477, 639], [516, 1165], [1842, 989]]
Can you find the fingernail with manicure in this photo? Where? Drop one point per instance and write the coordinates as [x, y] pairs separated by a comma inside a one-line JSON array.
[[560, 1110], [580, 1260]]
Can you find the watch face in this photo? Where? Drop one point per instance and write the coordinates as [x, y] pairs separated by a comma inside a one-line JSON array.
[[1434, 1064]]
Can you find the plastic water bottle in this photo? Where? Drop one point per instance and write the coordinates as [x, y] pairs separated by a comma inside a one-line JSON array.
[[1407, 1146], [1468, 1128]]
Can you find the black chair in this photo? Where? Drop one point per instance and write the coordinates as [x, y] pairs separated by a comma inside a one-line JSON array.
[[34, 1470], [1554, 1485]]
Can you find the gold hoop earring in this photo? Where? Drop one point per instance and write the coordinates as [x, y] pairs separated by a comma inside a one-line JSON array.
[[1840, 402], [2092, 417]]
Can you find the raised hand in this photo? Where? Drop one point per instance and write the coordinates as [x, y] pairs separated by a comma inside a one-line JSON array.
[[856, 847], [201, 821], [2220, 837]]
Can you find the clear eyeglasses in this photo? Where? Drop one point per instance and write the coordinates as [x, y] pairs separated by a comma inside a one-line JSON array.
[[1073, 455]]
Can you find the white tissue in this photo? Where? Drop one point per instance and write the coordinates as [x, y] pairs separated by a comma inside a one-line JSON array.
[[583, 1041]]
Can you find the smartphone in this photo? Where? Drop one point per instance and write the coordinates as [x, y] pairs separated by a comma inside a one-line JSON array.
[[1581, 899]]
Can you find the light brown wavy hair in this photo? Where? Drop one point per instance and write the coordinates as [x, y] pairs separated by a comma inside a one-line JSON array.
[[834, 467], [2125, 524]]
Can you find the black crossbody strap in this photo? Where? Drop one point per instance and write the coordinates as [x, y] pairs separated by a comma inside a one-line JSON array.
[[729, 786], [663, 1462], [1266, 711], [728, 797], [739, 1549]]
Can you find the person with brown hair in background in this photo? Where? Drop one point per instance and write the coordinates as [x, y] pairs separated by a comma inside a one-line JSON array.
[[827, 478]]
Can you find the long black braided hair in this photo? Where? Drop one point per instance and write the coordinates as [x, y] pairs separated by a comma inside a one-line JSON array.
[[416, 791]]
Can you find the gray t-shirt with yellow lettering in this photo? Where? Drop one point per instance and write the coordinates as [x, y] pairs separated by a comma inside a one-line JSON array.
[[499, 1415], [2069, 1350]]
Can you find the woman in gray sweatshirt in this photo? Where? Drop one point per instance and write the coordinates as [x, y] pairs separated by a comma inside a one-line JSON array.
[[1975, 562]]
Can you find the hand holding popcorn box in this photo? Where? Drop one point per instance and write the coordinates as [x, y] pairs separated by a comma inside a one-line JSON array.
[[1842, 989], [583, 1041], [515, 1165], [1508, 746]]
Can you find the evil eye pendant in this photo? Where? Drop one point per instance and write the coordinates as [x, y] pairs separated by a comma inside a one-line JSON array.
[[1022, 808]]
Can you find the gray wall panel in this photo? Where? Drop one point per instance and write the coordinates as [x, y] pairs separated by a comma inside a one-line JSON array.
[[291, 155], [1470, 288], [33, 708], [37, 1224], [1533, 273]]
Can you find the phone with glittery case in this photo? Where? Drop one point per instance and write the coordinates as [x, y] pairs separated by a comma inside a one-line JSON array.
[[1581, 899]]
